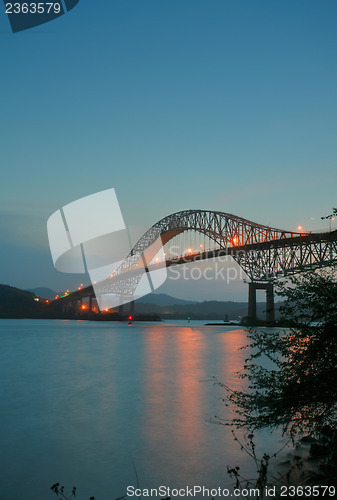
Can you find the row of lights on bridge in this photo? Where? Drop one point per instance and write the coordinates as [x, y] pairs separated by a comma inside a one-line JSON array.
[[188, 251], [79, 288]]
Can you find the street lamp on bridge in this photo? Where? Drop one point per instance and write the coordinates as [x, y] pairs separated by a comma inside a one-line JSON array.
[[330, 217]]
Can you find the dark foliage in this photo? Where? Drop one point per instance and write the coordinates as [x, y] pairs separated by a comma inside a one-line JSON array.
[[299, 392]]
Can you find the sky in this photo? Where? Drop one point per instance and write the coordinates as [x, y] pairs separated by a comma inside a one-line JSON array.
[[223, 105]]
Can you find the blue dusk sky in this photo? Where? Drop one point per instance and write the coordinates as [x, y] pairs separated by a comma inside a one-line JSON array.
[[222, 105]]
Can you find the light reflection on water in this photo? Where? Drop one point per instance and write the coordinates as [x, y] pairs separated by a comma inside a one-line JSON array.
[[79, 399]]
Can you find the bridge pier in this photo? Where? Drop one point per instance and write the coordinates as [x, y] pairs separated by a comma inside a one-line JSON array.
[[252, 301], [90, 306], [98, 301], [78, 307], [270, 306], [132, 307]]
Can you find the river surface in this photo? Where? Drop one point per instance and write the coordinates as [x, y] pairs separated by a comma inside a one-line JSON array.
[[97, 404]]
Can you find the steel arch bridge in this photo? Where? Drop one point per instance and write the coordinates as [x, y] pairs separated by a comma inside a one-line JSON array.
[[263, 252]]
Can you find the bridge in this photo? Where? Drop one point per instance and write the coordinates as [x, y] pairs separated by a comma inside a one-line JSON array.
[[261, 251]]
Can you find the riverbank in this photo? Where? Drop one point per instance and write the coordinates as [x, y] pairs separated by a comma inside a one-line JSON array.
[[309, 467]]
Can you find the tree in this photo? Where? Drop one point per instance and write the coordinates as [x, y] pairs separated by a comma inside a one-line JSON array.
[[299, 392]]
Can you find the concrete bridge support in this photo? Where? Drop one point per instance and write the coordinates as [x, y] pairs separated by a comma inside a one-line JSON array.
[[78, 307], [132, 307], [90, 306], [270, 306], [98, 298]]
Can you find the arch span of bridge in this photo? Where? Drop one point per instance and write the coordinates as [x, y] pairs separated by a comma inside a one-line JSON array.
[[263, 252]]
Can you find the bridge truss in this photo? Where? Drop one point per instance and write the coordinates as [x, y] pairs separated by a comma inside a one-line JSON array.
[[262, 252]]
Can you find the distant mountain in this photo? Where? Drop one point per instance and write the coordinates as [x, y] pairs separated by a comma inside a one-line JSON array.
[[16, 303], [44, 293], [202, 310], [163, 300]]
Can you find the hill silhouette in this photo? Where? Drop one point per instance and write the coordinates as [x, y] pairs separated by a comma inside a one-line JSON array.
[[16, 303]]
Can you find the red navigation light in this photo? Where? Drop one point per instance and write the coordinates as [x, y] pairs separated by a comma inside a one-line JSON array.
[[130, 318], [83, 307]]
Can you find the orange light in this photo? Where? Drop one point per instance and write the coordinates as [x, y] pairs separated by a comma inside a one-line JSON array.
[[94, 282], [47, 301], [190, 250], [83, 307], [200, 246], [300, 228], [235, 240], [106, 310], [157, 260], [79, 288]]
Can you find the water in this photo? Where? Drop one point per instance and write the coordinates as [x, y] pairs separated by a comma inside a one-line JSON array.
[[81, 400]]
